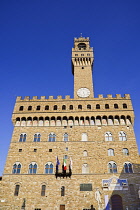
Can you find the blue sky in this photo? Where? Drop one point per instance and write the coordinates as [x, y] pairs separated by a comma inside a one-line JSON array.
[[36, 37]]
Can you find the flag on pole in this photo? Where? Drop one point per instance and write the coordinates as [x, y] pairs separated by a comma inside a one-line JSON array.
[[71, 163], [57, 163], [65, 165]]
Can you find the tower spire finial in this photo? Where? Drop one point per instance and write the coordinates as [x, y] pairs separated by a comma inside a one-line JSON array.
[[81, 34]]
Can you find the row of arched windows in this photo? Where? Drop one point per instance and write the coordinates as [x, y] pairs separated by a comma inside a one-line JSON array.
[[84, 137], [73, 121], [49, 168], [111, 152], [55, 107]]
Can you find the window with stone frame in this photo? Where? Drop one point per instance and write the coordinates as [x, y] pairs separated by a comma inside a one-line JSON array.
[[52, 137], [108, 136], [16, 168], [110, 152], [128, 167], [66, 137], [122, 136], [43, 190], [37, 137], [33, 168], [49, 168], [22, 137], [112, 167], [125, 151], [16, 193]]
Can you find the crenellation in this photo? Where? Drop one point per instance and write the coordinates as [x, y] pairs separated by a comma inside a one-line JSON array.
[[51, 97], [109, 96], [100, 96], [42, 97], [19, 98], [118, 96], [127, 96], [59, 97], [35, 98], [67, 97]]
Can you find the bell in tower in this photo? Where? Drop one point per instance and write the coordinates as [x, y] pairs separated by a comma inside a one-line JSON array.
[[82, 63]]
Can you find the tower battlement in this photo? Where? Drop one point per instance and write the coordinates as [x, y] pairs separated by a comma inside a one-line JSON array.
[[67, 97]]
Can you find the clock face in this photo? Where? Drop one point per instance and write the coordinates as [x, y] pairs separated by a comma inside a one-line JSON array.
[[83, 92]]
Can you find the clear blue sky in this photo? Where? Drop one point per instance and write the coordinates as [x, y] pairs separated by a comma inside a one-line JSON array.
[[36, 37]]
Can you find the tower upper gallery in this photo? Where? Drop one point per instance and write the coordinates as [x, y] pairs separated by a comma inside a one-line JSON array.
[[82, 63]]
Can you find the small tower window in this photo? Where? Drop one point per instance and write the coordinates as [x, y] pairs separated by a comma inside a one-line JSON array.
[[71, 107], [125, 106], [88, 106], [76, 54], [79, 106], [21, 108], [38, 108], [63, 107], [46, 107], [88, 54], [29, 108], [55, 107], [82, 46], [82, 54], [97, 106], [116, 106], [125, 151], [106, 106]]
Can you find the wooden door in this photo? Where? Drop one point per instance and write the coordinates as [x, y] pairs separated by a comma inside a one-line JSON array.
[[62, 207], [116, 201]]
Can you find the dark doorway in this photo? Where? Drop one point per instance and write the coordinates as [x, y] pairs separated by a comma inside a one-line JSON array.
[[62, 207], [116, 201]]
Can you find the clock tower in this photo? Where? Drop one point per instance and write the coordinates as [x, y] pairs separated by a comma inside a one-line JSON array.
[[82, 62]]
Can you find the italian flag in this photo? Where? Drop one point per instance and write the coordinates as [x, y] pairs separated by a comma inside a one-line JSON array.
[[65, 165]]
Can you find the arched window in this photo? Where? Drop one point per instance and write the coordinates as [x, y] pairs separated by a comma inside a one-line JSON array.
[[97, 106], [16, 190], [49, 168], [38, 108], [22, 137], [43, 189], [55, 107], [88, 106], [122, 136], [116, 106], [79, 106], [84, 137], [29, 108], [46, 107], [125, 106], [128, 168], [112, 167], [21, 108], [71, 107], [16, 168], [85, 153], [106, 106], [32, 168], [52, 137], [125, 151], [65, 137], [108, 136], [63, 107], [85, 168], [37, 137], [110, 152]]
